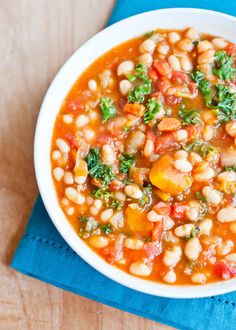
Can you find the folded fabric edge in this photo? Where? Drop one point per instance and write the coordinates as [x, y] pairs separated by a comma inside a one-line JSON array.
[[14, 265]]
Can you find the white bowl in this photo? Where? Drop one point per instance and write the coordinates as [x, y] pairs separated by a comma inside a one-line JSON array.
[[205, 21]]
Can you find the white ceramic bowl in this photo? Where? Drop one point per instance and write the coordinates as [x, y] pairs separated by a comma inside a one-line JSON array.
[[205, 21]]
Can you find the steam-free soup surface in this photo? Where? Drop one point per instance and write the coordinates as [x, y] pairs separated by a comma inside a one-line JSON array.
[[144, 158]]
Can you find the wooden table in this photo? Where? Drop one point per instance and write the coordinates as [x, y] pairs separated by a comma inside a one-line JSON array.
[[37, 36]]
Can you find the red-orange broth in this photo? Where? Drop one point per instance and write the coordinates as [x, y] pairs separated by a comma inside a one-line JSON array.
[[144, 160]]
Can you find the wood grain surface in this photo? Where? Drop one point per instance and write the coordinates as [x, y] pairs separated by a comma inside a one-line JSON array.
[[37, 36]]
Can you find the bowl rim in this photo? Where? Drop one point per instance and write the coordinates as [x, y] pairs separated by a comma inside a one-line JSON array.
[[66, 230]]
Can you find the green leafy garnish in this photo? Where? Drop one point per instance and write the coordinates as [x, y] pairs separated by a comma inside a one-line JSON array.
[[138, 93], [126, 129], [102, 193], [197, 76], [126, 161], [148, 34], [194, 232], [102, 172], [107, 228], [92, 158], [195, 43], [97, 170], [131, 77], [152, 108], [116, 204], [230, 168], [205, 150], [193, 146], [83, 219], [146, 198], [224, 66], [108, 109], [189, 117], [225, 103], [200, 196]]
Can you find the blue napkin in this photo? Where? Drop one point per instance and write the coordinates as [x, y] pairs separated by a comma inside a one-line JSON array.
[[43, 254]]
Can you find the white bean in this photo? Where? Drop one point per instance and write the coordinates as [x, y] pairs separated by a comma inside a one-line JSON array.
[[125, 86], [228, 176], [186, 45], [80, 179], [192, 248], [140, 268], [186, 64], [125, 67], [62, 146], [148, 148], [192, 34], [146, 59], [152, 216], [170, 277], [68, 178], [92, 85], [172, 257], [58, 173], [204, 45], [108, 154], [67, 119], [93, 210], [206, 57], [184, 230], [173, 37], [119, 195], [226, 214], [89, 134], [195, 158], [181, 154], [98, 241], [98, 203], [205, 226], [90, 200], [198, 278], [208, 132], [133, 191], [219, 43], [213, 196], [231, 257], [181, 135], [174, 62], [204, 175], [74, 196], [163, 48], [56, 155], [81, 121], [183, 165], [230, 128], [133, 243], [147, 46], [106, 215], [192, 213], [70, 210]]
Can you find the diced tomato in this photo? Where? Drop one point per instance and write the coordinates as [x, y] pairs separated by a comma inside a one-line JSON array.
[[179, 77], [116, 185], [152, 249], [135, 108], [165, 142], [225, 270], [231, 49], [74, 105], [179, 210], [157, 232], [172, 99], [163, 84], [153, 75], [194, 131], [103, 139], [192, 86], [163, 68], [162, 208], [151, 135]]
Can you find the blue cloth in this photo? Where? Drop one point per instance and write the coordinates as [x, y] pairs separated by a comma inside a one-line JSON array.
[[42, 252]]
